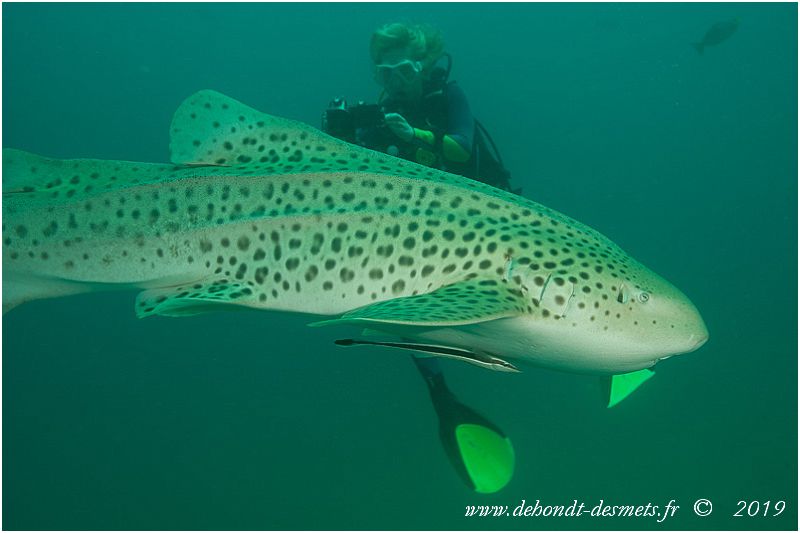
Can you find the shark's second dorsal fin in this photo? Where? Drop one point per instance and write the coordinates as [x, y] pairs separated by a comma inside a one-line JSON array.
[[210, 128], [72, 179]]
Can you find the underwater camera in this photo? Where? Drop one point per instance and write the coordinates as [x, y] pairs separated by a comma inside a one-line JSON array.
[[343, 121]]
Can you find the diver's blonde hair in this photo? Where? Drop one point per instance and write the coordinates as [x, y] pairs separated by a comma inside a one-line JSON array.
[[425, 43]]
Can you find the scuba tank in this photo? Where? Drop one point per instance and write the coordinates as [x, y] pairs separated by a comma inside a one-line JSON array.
[[488, 165], [485, 163]]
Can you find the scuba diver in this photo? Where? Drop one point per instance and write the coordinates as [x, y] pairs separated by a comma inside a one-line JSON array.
[[423, 117]]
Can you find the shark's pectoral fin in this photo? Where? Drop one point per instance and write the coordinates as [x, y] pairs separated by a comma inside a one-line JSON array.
[[479, 359], [465, 302], [193, 299], [617, 388]]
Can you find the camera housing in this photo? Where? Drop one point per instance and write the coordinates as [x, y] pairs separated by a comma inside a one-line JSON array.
[[344, 121]]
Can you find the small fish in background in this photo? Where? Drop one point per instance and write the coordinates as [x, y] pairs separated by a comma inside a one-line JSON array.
[[719, 32]]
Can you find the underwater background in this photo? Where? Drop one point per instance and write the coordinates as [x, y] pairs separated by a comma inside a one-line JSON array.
[[604, 112]]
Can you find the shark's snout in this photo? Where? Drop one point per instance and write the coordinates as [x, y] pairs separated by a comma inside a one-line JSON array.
[[694, 330], [699, 338]]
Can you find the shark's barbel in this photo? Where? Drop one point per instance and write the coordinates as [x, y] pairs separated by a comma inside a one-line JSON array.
[[263, 212]]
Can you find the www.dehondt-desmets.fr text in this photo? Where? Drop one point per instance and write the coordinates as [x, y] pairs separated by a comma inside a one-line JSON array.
[[575, 509]]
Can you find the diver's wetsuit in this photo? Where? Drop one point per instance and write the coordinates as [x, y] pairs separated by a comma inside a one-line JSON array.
[[443, 125], [446, 136], [444, 131]]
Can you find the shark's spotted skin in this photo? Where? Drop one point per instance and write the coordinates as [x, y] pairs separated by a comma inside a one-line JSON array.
[[263, 212]]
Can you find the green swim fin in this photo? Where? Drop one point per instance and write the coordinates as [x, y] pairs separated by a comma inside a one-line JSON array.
[[480, 452], [619, 387], [488, 457]]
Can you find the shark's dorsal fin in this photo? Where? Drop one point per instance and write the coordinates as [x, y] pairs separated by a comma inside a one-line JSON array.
[[210, 128], [71, 179], [466, 302], [24, 171]]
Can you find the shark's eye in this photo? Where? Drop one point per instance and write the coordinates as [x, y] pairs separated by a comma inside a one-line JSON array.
[[644, 296]]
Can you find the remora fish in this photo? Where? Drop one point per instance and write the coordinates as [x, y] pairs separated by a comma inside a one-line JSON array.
[[719, 32], [267, 213]]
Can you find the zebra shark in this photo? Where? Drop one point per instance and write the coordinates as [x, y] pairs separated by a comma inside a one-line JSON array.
[[268, 213]]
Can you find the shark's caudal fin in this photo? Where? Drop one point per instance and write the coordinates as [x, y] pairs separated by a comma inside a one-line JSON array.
[[699, 47]]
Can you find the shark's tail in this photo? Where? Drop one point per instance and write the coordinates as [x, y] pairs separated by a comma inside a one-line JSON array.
[[33, 185], [699, 47]]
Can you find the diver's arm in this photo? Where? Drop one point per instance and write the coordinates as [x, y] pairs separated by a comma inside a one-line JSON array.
[[457, 143], [457, 140]]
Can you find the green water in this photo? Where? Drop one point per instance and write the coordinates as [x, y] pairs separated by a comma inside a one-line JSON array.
[[253, 421]]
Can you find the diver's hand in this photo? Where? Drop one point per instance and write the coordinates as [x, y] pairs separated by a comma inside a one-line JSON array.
[[399, 126]]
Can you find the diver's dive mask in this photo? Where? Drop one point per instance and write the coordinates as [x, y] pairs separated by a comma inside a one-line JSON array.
[[404, 72]]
